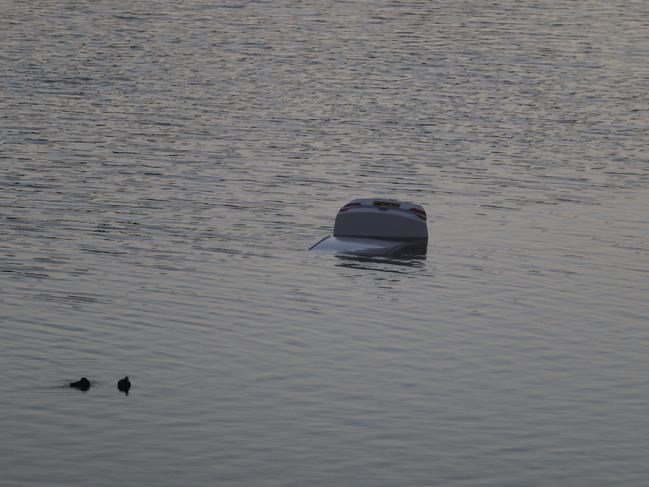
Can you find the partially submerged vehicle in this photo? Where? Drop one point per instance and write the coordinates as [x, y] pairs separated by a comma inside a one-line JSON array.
[[378, 227]]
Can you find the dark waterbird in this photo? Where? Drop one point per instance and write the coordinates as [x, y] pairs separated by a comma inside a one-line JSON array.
[[124, 385], [82, 384]]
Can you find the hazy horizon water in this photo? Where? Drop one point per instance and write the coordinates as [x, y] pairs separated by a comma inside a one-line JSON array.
[[164, 167]]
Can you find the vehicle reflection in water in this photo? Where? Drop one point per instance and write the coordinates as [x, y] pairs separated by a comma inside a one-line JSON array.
[[408, 260]]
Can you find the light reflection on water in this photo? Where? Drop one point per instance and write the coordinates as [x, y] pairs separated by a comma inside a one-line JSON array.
[[165, 167]]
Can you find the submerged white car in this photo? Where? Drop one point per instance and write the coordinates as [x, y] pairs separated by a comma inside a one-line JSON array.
[[377, 226]]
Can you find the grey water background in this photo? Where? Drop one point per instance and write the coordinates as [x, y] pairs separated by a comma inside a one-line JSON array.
[[164, 166]]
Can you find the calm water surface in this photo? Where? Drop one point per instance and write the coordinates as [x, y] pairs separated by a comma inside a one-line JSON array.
[[164, 165]]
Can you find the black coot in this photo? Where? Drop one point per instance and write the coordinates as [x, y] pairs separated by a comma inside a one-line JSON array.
[[82, 384], [124, 385]]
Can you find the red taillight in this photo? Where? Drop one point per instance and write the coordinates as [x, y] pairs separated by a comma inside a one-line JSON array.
[[420, 213]]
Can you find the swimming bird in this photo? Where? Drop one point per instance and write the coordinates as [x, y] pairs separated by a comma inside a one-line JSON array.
[[82, 384], [124, 385]]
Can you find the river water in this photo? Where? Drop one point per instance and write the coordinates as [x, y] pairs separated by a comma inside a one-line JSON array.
[[164, 165]]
